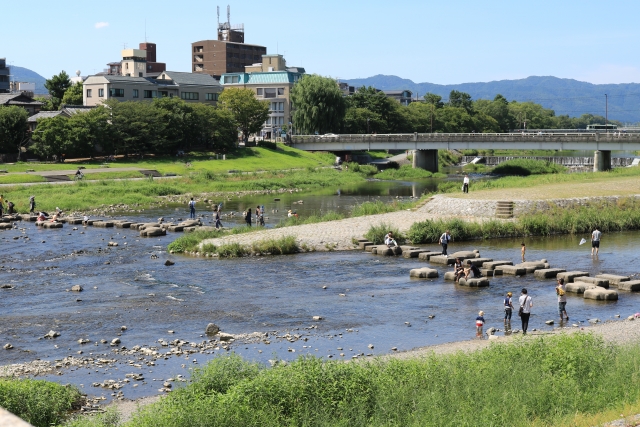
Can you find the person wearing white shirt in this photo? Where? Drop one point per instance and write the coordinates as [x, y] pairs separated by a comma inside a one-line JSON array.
[[595, 240], [525, 304], [465, 184]]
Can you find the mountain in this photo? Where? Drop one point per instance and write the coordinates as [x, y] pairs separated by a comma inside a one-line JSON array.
[[564, 96], [20, 74]]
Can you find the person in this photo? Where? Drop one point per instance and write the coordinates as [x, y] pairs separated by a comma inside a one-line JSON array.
[[444, 241], [525, 303], [458, 269], [508, 308], [192, 208], [471, 268], [32, 204], [562, 298], [523, 249], [465, 184], [259, 216], [218, 222], [479, 323], [79, 174], [10, 208], [289, 214], [1, 205], [595, 240], [41, 216], [389, 240], [247, 217], [85, 220]]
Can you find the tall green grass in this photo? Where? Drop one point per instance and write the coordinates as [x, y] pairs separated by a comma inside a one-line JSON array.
[[377, 233], [379, 207], [537, 380], [38, 402], [405, 172], [310, 219]]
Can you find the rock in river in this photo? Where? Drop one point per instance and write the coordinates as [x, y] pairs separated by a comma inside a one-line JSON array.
[[212, 329], [77, 288]]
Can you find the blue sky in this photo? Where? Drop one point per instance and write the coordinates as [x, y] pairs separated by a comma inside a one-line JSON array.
[[442, 42]]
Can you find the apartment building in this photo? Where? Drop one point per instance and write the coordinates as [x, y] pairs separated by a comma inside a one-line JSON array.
[[141, 62], [271, 80], [187, 86], [4, 76], [402, 96]]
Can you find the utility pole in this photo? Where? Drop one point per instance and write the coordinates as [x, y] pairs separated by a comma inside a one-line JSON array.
[[606, 112], [431, 118]]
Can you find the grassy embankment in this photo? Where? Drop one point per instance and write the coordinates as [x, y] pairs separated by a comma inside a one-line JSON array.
[[548, 381]]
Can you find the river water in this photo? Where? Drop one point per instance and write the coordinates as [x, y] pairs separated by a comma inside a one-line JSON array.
[[124, 285]]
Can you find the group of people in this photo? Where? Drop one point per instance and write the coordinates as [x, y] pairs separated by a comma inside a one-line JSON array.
[[10, 206], [465, 271], [259, 216]]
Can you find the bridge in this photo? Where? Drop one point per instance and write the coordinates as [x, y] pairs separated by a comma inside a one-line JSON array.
[[428, 144]]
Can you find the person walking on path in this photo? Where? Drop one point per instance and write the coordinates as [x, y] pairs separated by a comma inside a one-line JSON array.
[[595, 240], [465, 184], [32, 204], [523, 250], [444, 241], [562, 298], [247, 217], [192, 208], [508, 308], [525, 310]]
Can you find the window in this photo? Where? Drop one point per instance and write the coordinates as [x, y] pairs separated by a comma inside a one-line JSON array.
[[135, 93], [259, 91], [231, 79], [211, 97], [268, 120], [190, 96], [280, 91], [101, 93], [269, 93], [150, 93], [88, 93], [164, 93], [116, 93], [282, 106]]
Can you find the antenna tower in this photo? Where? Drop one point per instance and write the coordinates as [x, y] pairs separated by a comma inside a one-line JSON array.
[[218, 16], [229, 15]]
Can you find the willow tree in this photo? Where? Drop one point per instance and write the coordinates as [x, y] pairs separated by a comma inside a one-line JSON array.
[[319, 105]]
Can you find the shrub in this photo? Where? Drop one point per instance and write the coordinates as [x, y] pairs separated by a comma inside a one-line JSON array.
[[525, 167], [231, 250], [404, 172], [377, 232], [282, 246]]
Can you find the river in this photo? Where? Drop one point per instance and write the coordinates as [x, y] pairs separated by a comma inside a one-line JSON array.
[[126, 285]]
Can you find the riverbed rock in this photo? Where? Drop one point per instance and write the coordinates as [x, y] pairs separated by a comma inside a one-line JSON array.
[[83, 341], [614, 279], [7, 346], [77, 288], [424, 273], [603, 283], [601, 294], [578, 287], [549, 322], [52, 334], [115, 341], [112, 244], [153, 231], [548, 273], [6, 286], [175, 228], [413, 253], [225, 337], [480, 282], [425, 256], [317, 318], [493, 264], [631, 285], [569, 276], [211, 329], [191, 223], [169, 263]]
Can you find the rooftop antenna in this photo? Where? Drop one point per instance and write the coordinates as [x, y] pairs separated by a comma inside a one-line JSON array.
[[145, 30], [218, 16], [229, 15]]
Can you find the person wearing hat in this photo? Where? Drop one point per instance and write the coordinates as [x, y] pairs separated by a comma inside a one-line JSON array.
[[508, 307], [32, 204], [289, 214]]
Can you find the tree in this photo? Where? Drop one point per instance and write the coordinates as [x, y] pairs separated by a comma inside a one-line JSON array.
[[319, 105], [433, 99], [249, 114], [73, 95], [215, 128], [179, 121], [461, 100], [52, 137], [90, 132], [137, 127], [57, 86], [13, 128]]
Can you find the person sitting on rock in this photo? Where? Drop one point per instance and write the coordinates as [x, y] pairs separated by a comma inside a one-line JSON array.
[[10, 208], [41, 216], [389, 240], [458, 269]]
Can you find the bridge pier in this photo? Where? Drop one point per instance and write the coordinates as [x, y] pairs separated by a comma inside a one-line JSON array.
[[602, 160], [426, 159]]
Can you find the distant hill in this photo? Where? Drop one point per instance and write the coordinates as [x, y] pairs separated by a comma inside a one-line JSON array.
[[20, 74], [564, 96]]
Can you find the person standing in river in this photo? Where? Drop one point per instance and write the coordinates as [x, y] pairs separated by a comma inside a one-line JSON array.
[[217, 217], [595, 240], [525, 310], [192, 208], [247, 217], [562, 299], [444, 241]]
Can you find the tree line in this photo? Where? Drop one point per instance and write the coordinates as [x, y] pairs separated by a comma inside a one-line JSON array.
[[321, 107]]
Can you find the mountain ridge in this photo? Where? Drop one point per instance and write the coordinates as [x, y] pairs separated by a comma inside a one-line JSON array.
[[21, 74]]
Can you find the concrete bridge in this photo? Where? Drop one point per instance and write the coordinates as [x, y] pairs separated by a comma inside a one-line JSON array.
[[428, 144]]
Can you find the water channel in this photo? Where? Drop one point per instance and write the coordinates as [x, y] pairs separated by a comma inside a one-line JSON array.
[[124, 285]]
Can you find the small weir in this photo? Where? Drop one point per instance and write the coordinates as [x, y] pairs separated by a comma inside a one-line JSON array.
[[561, 160]]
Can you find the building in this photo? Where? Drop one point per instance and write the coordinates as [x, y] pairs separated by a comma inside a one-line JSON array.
[[227, 54], [271, 80], [187, 86], [346, 89], [21, 100], [65, 111], [402, 96], [140, 62], [5, 73]]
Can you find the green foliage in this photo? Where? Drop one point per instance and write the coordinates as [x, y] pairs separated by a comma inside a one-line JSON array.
[[73, 95], [38, 402], [525, 167], [57, 86], [378, 207], [13, 128], [405, 172], [366, 170], [376, 233], [231, 250], [111, 418], [448, 158], [52, 137], [310, 219], [436, 390], [319, 105], [190, 241], [248, 113], [284, 245]]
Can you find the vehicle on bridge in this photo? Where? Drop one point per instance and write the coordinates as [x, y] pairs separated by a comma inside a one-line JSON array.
[[602, 127]]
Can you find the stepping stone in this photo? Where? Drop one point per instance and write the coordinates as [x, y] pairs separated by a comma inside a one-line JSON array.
[[603, 283], [511, 270], [548, 273], [613, 278], [532, 266], [123, 224], [385, 250], [425, 256], [449, 275], [360, 240], [465, 254], [179, 228], [369, 248], [478, 262], [493, 264], [441, 259], [409, 248], [600, 294], [479, 282], [363, 245], [630, 285], [486, 272], [569, 276], [413, 253], [578, 287], [103, 224], [424, 273]]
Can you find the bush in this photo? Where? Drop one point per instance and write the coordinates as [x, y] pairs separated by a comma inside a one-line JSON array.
[[378, 207], [41, 403], [231, 250], [405, 172], [526, 167], [377, 232], [190, 241], [282, 246]]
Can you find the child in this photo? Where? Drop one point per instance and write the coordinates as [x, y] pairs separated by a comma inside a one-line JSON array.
[[523, 250], [479, 323], [508, 307]]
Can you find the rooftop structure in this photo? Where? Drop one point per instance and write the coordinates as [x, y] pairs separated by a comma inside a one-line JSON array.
[[137, 62], [21, 100], [4, 76]]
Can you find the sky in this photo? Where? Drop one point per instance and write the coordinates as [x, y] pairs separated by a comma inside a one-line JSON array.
[[444, 42]]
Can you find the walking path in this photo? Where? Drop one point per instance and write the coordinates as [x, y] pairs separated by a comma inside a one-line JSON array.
[[73, 171]]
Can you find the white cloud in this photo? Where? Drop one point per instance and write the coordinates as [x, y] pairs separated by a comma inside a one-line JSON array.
[[611, 73], [100, 25]]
